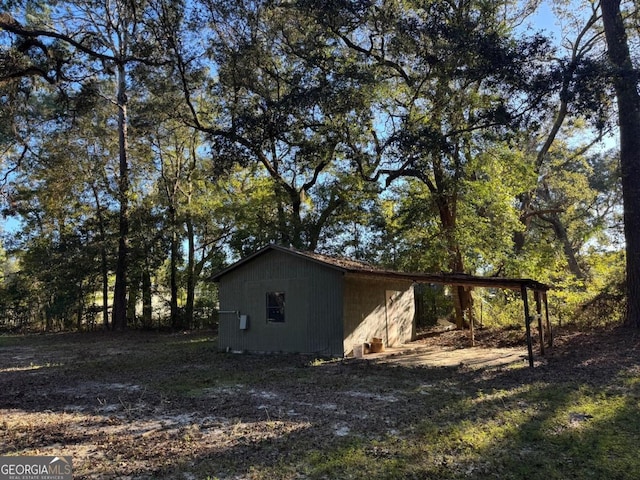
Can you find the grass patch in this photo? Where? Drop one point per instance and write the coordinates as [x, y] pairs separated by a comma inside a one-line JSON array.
[[538, 435], [171, 406]]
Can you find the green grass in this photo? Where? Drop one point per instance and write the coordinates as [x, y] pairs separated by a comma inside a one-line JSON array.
[[535, 432]]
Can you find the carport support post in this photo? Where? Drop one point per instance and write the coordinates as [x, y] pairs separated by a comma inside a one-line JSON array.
[[473, 335], [536, 295], [525, 302], [546, 313], [470, 317]]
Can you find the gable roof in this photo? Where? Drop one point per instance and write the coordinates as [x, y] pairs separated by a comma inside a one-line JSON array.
[[355, 267]]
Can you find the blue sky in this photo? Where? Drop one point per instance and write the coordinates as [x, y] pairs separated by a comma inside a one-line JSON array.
[[545, 20]]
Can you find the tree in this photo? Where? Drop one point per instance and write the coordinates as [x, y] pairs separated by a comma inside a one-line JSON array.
[[625, 81], [60, 188], [192, 202], [575, 98], [282, 101], [112, 37], [447, 75], [57, 249]]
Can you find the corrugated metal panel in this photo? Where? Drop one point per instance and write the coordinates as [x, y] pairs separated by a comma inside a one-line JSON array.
[[313, 306], [325, 300]]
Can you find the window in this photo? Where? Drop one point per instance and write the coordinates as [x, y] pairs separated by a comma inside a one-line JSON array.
[[275, 307]]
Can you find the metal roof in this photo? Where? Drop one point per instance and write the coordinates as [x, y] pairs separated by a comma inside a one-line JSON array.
[[361, 268]]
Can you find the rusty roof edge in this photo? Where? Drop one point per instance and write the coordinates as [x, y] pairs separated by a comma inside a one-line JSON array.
[[459, 279], [360, 268]]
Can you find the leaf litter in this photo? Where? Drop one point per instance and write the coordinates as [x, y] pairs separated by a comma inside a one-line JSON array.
[[136, 409]]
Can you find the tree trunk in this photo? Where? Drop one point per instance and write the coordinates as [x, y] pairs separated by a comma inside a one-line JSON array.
[[562, 235], [176, 322], [80, 310], [191, 274], [296, 221], [461, 296], [625, 82], [132, 301], [104, 267], [147, 319], [48, 320], [104, 264], [120, 292]]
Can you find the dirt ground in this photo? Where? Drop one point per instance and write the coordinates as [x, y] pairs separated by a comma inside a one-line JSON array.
[[147, 405], [453, 349]]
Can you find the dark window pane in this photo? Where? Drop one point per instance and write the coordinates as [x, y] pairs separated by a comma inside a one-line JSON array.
[[275, 306]]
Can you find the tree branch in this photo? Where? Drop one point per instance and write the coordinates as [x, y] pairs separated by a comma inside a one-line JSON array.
[[10, 24]]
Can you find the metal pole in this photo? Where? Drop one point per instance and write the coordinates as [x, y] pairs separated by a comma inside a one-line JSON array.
[[470, 315], [387, 299]]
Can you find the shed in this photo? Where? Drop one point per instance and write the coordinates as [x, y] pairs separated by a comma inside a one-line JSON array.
[[284, 300]]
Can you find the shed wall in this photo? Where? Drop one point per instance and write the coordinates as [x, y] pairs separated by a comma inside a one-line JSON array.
[[313, 306], [377, 307]]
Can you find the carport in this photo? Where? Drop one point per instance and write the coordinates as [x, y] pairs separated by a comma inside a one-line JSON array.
[[523, 285]]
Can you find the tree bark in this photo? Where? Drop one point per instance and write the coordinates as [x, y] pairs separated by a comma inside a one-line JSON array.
[[119, 321], [80, 311], [461, 297], [176, 321], [147, 308], [625, 82], [132, 301], [561, 234], [104, 264], [191, 273]]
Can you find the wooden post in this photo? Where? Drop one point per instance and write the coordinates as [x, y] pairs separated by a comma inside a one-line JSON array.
[[525, 302], [473, 336], [536, 295], [546, 311], [470, 317]]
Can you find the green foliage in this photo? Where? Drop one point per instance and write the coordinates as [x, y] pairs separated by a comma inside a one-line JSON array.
[[408, 134], [488, 216], [18, 304], [605, 302], [498, 309], [585, 303], [432, 304]]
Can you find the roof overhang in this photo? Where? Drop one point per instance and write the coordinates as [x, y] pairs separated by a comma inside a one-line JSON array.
[[362, 269], [462, 280]]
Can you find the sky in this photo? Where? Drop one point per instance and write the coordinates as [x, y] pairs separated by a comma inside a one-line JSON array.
[[545, 20]]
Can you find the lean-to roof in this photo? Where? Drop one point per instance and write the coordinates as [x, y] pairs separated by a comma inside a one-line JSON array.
[[355, 267]]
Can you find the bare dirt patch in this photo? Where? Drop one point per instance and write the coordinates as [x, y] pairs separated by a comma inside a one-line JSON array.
[[144, 405]]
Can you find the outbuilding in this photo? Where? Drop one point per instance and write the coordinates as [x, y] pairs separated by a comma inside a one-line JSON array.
[[284, 300]]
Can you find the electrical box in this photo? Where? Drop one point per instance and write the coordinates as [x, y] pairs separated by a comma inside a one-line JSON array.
[[244, 322]]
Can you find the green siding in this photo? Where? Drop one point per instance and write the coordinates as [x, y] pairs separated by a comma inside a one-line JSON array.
[[313, 306]]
